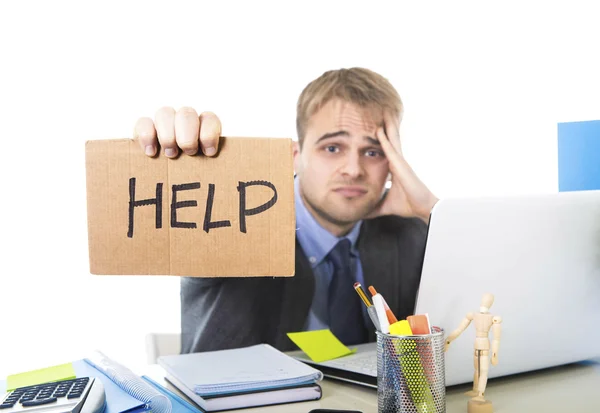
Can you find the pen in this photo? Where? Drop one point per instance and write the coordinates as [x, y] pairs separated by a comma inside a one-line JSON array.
[[370, 309], [390, 315], [373, 315]]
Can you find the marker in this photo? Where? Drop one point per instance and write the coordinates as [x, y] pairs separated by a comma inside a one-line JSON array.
[[390, 315], [384, 324]]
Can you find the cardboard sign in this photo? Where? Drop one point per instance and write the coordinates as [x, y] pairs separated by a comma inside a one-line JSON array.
[[226, 216]]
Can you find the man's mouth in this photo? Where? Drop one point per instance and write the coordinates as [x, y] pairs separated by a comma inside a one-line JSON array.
[[351, 191]]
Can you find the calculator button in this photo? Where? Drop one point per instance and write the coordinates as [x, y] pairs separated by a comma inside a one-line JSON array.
[[73, 395], [6, 405], [39, 402]]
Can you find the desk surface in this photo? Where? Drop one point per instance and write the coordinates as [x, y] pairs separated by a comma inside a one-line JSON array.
[[570, 388]]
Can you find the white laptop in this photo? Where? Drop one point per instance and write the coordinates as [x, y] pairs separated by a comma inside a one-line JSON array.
[[540, 257]]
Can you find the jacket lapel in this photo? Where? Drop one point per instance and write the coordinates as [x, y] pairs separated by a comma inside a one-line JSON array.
[[379, 264], [296, 299]]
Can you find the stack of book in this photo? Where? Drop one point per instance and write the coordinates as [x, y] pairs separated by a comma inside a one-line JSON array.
[[252, 376]]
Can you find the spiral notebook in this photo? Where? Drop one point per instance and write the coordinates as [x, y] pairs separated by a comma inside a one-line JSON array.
[[178, 404], [123, 387]]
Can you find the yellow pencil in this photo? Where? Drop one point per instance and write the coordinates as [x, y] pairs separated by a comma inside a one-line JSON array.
[[362, 294]]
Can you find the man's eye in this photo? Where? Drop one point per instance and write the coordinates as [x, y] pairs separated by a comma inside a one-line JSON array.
[[374, 153], [331, 148]]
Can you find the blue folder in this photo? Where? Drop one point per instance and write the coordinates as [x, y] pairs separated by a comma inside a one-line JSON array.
[[117, 400], [179, 405]]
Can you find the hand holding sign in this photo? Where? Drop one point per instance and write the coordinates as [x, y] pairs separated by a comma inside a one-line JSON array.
[[182, 129], [230, 214]]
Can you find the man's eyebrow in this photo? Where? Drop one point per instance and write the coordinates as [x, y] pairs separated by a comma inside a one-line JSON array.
[[332, 135], [344, 133], [373, 141]]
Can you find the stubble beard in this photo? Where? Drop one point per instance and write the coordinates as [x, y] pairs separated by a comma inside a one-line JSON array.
[[337, 219]]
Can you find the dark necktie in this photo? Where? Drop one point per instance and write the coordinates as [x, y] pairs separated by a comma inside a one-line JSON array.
[[345, 315]]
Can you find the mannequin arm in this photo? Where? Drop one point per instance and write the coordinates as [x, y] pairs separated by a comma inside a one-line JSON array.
[[462, 327], [496, 331]]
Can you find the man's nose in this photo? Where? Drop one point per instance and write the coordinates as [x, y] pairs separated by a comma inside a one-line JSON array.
[[352, 166]]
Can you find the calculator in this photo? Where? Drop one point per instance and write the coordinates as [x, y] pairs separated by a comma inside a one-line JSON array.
[[81, 395]]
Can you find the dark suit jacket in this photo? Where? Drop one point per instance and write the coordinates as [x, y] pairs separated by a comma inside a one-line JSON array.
[[222, 313]]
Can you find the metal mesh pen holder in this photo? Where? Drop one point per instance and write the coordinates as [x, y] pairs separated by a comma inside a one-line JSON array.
[[411, 373]]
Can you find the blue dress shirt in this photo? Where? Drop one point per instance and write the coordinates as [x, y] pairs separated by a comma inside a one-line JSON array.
[[317, 242]]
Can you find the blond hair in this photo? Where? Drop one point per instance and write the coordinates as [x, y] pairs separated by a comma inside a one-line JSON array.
[[357, 85]]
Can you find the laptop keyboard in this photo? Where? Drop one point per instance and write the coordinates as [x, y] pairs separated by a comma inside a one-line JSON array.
[[364, 363]]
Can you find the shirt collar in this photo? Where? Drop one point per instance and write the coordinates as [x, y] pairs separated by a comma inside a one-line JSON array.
[[315, 240]]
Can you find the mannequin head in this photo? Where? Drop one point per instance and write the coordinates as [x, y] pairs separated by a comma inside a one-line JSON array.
[[486, 303]]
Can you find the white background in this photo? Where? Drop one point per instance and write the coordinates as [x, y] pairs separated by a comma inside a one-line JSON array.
[[484, 87]]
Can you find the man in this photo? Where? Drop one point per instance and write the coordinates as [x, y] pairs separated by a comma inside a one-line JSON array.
[[349, 227]]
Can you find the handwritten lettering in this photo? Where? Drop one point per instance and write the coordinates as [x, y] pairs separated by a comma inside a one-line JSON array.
[[176, 204], [182, 204], [153, 201], [247, 212]]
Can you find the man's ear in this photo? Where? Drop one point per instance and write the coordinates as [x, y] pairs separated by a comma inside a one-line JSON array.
[[296, 154]]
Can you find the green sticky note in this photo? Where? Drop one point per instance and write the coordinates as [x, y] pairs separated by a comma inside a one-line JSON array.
[[48, 374], [320, 345]]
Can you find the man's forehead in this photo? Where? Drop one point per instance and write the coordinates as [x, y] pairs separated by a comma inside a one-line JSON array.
[[346, 115]]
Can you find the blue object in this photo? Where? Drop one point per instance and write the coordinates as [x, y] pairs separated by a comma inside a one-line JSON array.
[[117, 400], [579, 156]]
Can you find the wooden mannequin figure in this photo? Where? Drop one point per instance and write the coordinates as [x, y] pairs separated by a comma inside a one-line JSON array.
[[484, 321]]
